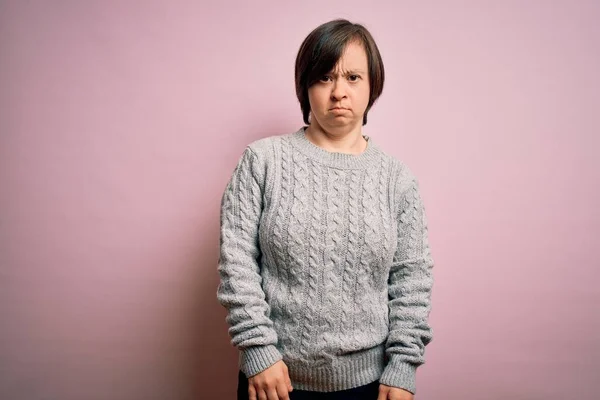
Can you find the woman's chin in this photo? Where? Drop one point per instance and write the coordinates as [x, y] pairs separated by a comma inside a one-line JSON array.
[[339, 121]]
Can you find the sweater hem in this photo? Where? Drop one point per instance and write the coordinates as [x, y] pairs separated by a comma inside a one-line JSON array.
[[345, 372]]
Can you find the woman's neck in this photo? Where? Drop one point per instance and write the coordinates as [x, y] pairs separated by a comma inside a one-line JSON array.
[[349, 142]]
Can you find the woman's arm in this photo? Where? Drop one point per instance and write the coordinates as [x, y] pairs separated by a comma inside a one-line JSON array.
[[240, 289], [409, 287]]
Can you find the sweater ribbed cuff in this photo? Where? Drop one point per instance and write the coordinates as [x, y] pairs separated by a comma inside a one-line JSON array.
[[256, 359], [399, 374]]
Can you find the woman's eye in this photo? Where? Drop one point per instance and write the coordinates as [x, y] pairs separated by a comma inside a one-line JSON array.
[[353, 78], [325, 78]]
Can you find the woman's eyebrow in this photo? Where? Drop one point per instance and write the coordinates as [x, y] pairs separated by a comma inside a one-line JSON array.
[[352, 71]]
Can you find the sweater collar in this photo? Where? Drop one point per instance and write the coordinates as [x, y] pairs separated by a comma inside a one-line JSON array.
[[336, 159]]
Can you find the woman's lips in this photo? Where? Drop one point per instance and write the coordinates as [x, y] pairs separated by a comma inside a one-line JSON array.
[[338, 109]]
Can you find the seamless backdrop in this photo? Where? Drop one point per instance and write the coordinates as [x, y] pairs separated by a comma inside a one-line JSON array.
[[121, 121]]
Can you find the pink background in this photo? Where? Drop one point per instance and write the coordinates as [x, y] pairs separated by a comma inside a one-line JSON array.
[[121, 123]]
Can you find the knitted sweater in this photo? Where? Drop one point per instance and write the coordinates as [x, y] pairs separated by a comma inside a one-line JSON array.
[[325, 263]]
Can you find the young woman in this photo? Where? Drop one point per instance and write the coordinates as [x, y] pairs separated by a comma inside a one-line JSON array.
[[325, 264]]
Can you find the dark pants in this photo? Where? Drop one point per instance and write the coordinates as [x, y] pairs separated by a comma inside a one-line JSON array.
[[369, 391]]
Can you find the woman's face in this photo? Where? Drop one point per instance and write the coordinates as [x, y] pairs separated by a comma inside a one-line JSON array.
[[340, 98]]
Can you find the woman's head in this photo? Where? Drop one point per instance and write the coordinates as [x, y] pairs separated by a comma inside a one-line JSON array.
[[338, 65]]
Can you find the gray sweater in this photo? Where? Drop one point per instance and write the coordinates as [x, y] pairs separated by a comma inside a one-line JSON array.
[[325, 263]]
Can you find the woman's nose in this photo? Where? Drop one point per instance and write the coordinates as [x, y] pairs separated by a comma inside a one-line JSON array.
[[339, 90]]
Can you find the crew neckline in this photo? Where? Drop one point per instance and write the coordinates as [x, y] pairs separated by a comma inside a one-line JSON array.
[[334, 158]]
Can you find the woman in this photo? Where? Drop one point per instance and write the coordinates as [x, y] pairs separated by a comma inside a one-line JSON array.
[[324, 257]]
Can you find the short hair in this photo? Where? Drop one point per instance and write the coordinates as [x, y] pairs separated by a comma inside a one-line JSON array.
[[320, 52]]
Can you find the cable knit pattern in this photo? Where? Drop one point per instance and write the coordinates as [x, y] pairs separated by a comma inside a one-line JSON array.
[[368, 263], [282, 204], [350, 289], [334, 250], [325, 263], [298, 250]]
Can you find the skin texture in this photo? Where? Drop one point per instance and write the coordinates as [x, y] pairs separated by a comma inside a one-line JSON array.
[[271, 384], [393, 393], [347, 86]]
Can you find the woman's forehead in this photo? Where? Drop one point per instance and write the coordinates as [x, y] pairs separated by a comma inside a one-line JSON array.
[[354, 59]]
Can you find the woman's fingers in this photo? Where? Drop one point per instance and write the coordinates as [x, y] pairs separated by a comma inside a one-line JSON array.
[[273, 383], [251, 392], [288, 381], [272, 394], [262, 395], [383, 392], [282, 392]]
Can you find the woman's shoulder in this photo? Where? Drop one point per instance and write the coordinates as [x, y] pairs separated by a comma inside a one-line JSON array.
[[399, 169], [265, 146], [403, 177]]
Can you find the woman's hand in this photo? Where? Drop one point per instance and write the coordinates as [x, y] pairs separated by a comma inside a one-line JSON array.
[[271, 384], [393, 393]]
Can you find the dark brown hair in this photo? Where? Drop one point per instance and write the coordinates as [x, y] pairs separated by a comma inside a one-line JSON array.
[[322, 49]]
